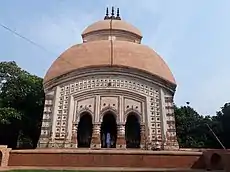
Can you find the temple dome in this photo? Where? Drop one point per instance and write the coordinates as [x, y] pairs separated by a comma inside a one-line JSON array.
[[111, 29], [98, 54], [120, 25], [110, 42]]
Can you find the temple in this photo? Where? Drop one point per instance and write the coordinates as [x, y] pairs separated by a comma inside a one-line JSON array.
[[110, 91]]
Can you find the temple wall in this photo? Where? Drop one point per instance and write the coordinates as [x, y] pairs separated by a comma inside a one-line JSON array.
[[96, 95]]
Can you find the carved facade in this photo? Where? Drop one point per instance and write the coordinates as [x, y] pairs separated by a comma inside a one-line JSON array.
[[108, 89]]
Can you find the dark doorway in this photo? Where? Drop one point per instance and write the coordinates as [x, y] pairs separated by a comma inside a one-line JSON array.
[[216, 162], [84, 132], [132, 131], [108, 131], [1, 158]]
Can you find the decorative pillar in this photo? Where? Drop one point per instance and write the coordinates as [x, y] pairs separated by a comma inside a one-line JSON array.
[[4, 155], [74, 135], [121, 143], [96, 141], [143, 137]]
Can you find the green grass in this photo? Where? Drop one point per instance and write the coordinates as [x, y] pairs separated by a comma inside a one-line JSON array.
[[50, 171]]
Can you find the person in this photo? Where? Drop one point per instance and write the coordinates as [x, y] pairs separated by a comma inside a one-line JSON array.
[[108, 139]]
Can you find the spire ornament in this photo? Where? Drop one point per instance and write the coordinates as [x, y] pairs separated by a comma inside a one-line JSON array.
[[117, 17], [112, 14], [107, 14], [118, 14]]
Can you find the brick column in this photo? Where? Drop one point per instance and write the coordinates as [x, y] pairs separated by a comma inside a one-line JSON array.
[[96, 141], [5, 153], [121, 143], [143, 137], [74, 135]]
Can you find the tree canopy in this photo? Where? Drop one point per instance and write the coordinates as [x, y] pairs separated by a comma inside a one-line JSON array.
[[21, 107], [193, 131]]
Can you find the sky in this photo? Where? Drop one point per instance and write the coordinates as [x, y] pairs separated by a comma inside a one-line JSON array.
[[192, 36]]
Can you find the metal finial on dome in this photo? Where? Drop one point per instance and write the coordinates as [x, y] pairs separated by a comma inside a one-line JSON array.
[[107, 14], [112, 14], [118, 14], [112, 11]]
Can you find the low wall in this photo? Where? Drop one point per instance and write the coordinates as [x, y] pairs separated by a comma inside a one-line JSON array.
[[106, 158]]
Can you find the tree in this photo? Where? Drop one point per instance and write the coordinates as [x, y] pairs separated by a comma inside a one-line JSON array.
[[222, 121], [23, 93], [192, 130], [9, 124]]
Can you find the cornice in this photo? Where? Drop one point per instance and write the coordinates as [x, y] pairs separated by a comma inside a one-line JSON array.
[[108, 70]]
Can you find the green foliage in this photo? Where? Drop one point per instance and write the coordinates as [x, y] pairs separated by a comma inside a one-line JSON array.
[[21, 97], [193, 132], [9, 116]]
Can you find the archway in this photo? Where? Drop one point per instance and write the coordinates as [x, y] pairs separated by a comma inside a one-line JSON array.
[[216, 162], [132, 131], [85, 129], [108, 131], [0, 158]]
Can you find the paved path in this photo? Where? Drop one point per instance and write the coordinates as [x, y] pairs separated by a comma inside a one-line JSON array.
[[101, 169]]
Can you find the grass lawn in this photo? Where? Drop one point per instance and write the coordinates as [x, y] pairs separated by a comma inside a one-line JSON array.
[[50, 171]]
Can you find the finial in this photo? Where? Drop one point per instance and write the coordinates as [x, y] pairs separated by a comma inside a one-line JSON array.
[[107, 14], [112, 11], [118, 15], [112, 14]]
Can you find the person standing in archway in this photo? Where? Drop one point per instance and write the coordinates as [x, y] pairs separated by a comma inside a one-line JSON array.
[[108, 139]]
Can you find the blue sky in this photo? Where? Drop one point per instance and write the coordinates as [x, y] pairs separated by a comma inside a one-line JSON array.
[[192, 36]]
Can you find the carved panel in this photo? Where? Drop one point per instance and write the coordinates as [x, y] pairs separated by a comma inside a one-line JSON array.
[[170, 118], [133, 104], [88, 104], [155, 117], [47, 112], [109, 101]]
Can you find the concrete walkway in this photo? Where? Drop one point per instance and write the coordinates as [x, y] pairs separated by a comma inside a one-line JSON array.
[[100, 169]]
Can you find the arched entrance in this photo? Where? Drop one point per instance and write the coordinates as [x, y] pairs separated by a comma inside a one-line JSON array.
[[85, 129], [132, 131], [108, 131], [216, 162], [0, 158]]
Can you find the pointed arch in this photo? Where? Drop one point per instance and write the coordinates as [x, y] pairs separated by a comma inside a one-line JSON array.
[[132, 130], [82, 112], [110, 110], [133, 112], [108, 130], [85, 130]]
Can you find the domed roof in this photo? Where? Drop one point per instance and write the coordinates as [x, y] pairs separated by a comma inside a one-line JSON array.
[[115, 25], [98, 53]]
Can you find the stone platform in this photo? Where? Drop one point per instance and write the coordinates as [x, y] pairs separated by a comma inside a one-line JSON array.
[[105, 158], [185, 160]]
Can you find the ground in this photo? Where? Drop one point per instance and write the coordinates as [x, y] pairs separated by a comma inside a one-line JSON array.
[[111, 169]]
